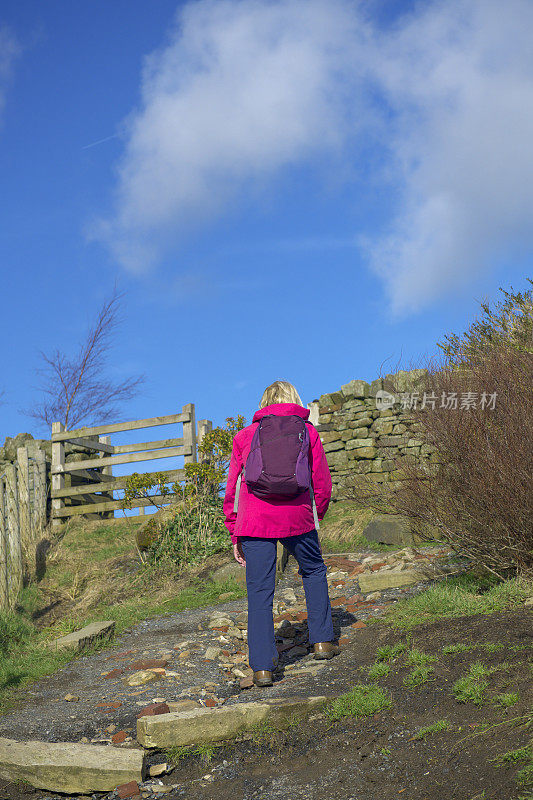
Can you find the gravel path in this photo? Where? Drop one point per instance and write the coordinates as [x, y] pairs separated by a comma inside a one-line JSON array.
[[200, 656]]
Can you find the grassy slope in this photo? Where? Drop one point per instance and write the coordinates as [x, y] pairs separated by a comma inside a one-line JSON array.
[[93, 573]]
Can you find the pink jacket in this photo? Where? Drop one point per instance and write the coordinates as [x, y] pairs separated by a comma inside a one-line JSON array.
[[257, 517]]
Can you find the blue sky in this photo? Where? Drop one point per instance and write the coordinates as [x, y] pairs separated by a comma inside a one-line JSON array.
[[298, 189]]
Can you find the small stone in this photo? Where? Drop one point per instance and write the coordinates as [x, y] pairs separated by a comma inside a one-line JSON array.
[[139, 678], [226, 595], [184, 654], [113, 674], [246, 683], [183, 705], [219, 621], [373, 596], [358, 624], [128, 790], [153, 709], [111, 728], [239, 673], [71, 698], [157, 769], [298, 651], [150, 663], [209, 702], [528, 603], [119, 737]]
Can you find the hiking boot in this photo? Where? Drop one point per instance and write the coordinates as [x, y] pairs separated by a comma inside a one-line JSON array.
[[262, 677], [325, 650]]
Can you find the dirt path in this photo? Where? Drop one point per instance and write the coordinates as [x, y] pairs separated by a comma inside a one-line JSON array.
[[200, 655]]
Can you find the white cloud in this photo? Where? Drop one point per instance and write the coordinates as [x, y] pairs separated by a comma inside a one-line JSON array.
[[9, 50], [246, 88], [242, 90], [459, 79]]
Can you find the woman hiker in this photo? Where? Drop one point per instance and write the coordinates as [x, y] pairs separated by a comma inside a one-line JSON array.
[[277, 465]]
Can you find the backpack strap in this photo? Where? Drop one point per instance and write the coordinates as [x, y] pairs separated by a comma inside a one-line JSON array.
[[237, 492], [311, 491], [315, 514]]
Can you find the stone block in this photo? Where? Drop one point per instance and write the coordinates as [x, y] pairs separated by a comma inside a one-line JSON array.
[[382, 426], [85, 636], [405, 380], [355, 389], [330, 447], [375, 387], [68, 767], [231, 570], [337, 458], [205, 725], [385, 579], [353, 443], [362, 420], [364, 452], [393, 441], [388, 529]]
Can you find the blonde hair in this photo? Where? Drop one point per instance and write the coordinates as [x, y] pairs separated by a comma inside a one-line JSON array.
[[280, 392]]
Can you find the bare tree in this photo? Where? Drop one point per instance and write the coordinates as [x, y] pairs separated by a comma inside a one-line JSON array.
[[76, 390]]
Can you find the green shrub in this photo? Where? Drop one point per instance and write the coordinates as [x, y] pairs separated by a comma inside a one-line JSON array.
[[378, 670], [361, 701], [471, 688], [429, 730]]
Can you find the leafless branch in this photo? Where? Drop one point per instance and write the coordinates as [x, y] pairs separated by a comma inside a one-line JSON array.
[[75, 390]]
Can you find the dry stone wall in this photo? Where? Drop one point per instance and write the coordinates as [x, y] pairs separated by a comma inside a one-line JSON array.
[[367, 427]]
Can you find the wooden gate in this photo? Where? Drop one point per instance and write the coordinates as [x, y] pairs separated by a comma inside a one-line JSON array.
[[96, 483]]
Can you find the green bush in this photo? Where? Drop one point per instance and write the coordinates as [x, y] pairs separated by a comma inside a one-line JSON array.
[[196, 528], [196, 531]]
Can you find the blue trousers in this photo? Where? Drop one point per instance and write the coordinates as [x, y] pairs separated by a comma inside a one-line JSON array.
[[260, 555]]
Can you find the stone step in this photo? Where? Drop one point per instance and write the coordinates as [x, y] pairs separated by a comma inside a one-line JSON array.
[[204, 725], [85, 636], [70, 767]]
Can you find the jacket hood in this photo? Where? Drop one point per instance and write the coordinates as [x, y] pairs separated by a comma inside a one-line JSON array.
[[282, 410]]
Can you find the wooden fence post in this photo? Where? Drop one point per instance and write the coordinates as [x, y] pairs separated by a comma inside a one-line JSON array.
[[58, 476], [23, 495], [4, 594], [14, 553], [189, 433], [204, 426], [107, 471], [40, 496]]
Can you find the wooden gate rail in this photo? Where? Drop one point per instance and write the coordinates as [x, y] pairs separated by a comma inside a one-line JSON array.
[[96, 494]]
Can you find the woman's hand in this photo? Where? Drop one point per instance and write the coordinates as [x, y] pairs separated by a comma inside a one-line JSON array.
[[237, 552]]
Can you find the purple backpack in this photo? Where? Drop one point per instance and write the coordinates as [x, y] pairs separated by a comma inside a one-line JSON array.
[[277, 467]]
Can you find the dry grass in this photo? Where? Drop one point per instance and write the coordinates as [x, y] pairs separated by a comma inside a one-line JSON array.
[[92, 566]]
